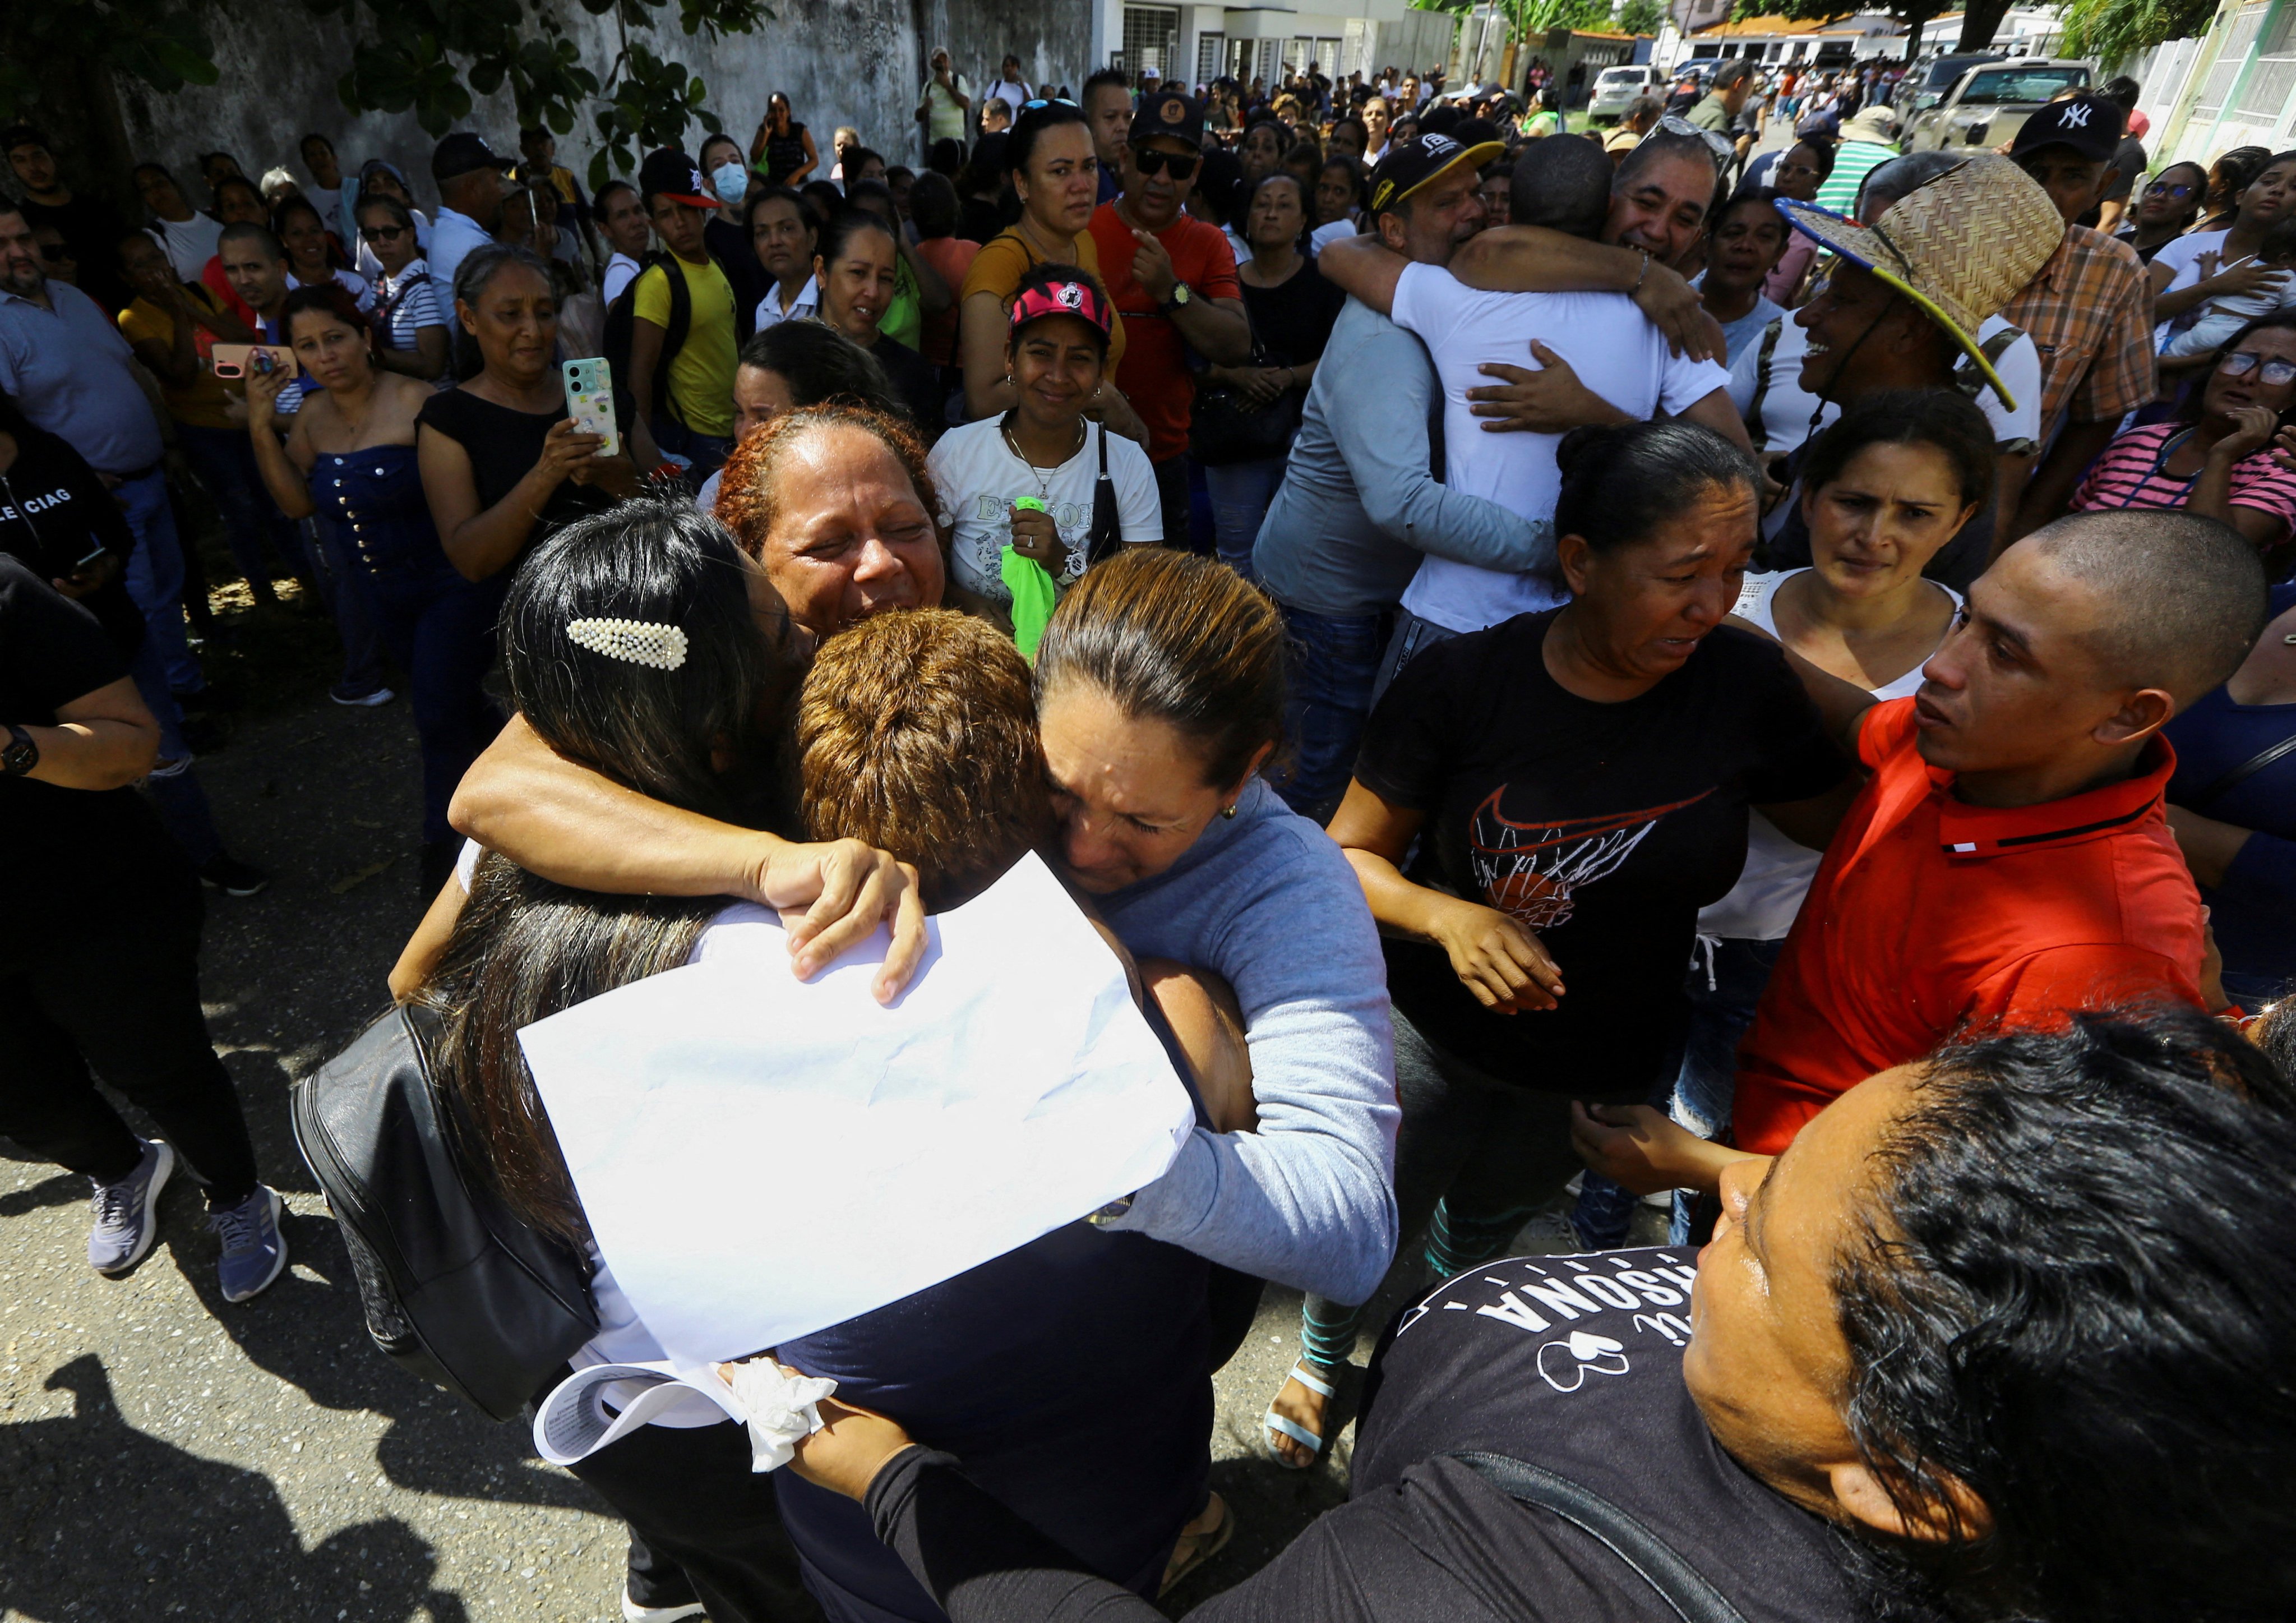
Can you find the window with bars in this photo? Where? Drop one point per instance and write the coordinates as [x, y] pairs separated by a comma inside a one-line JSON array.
[[1150, 34], [2240, 39], [1211, 57]]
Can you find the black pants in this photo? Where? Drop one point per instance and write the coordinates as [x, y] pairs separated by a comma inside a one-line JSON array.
[[124, 998], [691, 1498]]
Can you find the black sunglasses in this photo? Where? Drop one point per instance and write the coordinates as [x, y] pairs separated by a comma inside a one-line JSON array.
[[55, 254], [2161, 188], [384, 233], [1154, 162]]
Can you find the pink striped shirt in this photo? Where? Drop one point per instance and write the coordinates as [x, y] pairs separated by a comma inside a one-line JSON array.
[[2128, 474]]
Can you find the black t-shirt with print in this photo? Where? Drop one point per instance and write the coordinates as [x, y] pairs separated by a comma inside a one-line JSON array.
[[76, 856], [1604, 828], [54, 511], [1573, 1364]]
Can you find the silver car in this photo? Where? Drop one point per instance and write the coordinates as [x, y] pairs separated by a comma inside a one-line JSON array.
[[1989, 103]]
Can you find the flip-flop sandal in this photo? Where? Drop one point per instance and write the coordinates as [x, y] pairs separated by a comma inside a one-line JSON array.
[[1297, 1433], [1208, 1545]]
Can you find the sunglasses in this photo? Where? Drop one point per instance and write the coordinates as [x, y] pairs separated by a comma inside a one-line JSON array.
[[1181, 164], [384, 233], [1058, 101], [2161, 188], [1675, 124], [2240, 362], [55, 254]]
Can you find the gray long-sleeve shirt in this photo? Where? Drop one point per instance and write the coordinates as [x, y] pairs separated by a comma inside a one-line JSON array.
[[1268, 901], [1359, 505]]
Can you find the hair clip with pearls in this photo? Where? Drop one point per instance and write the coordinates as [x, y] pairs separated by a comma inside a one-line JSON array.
[[639, 642]]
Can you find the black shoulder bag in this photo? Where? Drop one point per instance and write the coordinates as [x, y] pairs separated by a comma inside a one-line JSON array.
[[456, 1288], [1681, 1586]]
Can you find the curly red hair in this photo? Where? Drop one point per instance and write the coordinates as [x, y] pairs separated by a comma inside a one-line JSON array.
[[748, 503]]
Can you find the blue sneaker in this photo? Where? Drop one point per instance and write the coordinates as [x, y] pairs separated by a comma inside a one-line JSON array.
[[253, 1252], [125, 1226]]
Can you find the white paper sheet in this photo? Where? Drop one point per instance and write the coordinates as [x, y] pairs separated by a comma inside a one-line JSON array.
[[760, 1159]]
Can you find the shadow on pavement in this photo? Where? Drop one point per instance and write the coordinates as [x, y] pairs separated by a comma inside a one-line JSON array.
[[81, 1490]]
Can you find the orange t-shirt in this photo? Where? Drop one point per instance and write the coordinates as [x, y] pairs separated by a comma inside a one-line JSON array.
[[951, 257], [1929, 915], [1154, 374]]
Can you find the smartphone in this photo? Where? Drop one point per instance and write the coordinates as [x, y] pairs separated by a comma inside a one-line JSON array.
[[239, 360], [590, 402]]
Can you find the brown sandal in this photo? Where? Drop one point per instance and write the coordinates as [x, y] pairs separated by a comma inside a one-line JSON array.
[[1197, 1548]]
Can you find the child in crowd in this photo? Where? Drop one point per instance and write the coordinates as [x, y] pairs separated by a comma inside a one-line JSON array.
[[2216, 322]]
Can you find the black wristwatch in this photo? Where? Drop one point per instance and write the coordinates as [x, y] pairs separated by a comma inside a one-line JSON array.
[[20, 755], [1181, 294]]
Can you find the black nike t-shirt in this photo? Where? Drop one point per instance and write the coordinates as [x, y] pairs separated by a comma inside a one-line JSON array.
[[1604, 828]]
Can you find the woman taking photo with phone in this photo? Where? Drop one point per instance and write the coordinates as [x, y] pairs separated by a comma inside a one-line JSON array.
[[503, 464], [350, 459], [1050, 157], [1046, 452], [782, 150], [857, 269], [408, 315]]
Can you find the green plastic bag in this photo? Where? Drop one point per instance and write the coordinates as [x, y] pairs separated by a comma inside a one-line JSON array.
[[1033, 592]]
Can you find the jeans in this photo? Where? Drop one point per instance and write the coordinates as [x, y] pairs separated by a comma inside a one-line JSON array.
[[124, 999], [706, 452], [1172, 498], [1410, 634], [1334, 660], [1726, 984], [1241, 492], [1474, 1157], [155, 577], [353, 611], [440, 629], [174, 785], [224, 462]]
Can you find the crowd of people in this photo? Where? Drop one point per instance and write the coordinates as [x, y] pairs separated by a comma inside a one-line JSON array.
[[1581, 668]]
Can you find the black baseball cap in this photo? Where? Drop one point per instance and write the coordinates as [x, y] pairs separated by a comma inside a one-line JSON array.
[[1412, 164], [462, 154], [2088, 124], [670, 173], [1169, 112]]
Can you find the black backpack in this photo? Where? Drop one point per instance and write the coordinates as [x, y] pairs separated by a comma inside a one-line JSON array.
[[620, 317], [456, 1288]]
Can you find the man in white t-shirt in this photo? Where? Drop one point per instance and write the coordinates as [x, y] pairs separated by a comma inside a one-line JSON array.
[[188, 236], [1617, 357], [1010, 87]]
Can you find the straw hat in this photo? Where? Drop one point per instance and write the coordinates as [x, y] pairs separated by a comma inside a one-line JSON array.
[[1877, 124], [1959, 248]]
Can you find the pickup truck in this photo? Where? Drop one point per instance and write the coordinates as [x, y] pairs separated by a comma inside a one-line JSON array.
[[1989, 103]]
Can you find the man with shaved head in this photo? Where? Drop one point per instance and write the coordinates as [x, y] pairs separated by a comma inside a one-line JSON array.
[[2008, 861]]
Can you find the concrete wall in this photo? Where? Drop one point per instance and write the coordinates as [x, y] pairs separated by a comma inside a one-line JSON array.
[[841, 61]]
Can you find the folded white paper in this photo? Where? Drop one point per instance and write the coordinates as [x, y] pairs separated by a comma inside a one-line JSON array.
[[759, 1157], [606, 1402]]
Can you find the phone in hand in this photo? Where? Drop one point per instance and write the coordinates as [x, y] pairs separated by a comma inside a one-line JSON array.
[[239, 360], [590, 402]]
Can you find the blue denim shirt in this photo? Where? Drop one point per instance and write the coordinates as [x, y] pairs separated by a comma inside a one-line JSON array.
[[1358, 504], [69, 368]]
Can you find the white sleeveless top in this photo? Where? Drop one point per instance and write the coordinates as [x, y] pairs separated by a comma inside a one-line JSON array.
[[1761, 906]]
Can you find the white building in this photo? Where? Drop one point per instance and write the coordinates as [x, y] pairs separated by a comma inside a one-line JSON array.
[[1200, 42]]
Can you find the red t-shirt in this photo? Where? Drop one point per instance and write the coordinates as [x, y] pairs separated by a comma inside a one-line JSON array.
[[1929, 915], [950, 257], [1154, 373]]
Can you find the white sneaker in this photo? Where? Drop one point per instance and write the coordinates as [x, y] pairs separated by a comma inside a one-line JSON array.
[[632, 1612]]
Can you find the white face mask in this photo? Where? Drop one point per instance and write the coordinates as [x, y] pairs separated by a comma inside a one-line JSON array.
[[731, 181]]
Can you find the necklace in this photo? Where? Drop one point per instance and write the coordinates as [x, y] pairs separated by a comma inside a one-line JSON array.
[[1043, 482]]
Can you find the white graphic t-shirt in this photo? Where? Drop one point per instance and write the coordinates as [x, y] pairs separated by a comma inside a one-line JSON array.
[[980, 479]]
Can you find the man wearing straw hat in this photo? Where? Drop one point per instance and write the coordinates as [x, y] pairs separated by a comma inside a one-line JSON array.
[[1905, 302]]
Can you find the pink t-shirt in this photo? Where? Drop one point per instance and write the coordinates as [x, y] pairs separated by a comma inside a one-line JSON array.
[[2128, 474]]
